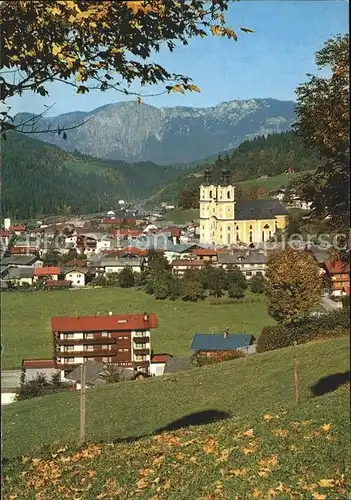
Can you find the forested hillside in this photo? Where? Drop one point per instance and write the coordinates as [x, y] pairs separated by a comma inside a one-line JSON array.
[[39, 178], [262, 156]]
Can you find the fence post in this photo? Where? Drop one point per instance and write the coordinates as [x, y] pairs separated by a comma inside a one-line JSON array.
[[296, 375], [82, 402]]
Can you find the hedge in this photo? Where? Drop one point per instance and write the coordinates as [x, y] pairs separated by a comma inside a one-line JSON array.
[[202, 358], [333, 324]]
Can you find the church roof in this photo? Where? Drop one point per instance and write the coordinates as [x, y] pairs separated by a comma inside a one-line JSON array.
[[258, 209]]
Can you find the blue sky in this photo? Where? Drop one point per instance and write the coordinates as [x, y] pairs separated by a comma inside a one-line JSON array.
[[268, 63]]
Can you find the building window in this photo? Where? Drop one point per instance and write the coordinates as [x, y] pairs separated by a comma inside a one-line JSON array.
[[237, 236], [248, 273], [68, 348], [69, 336], [70, 360], [262, 235], [250, 227], [258, 273], [210, 194], [78, 281], [228, 195], [250, 237], [103, 334], [106, 359], [78, 275], [89, 348], [89, 336], [228, 239]]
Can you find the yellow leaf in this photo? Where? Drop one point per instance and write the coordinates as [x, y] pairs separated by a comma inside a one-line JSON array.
[[264, 462], [256, 493], [238, 472], [325, 427], [142, 483], [55, 11], [280, 432], [268, 417], [177, 88], [318, 496], [271, 493], [210, 445], [248, 433], [194, 88], [56, 49], [247, 451], [326, 483]]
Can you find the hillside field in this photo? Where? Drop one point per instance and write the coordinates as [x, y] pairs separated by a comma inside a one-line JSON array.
[[263, 444], [26, 330]]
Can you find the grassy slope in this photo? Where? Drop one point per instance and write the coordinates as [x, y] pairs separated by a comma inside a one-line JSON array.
[[292, 444], [179, 216], [83, 167], [26, 331]]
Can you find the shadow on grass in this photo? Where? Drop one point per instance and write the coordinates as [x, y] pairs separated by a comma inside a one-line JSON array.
[[330, 383], [199, 418]]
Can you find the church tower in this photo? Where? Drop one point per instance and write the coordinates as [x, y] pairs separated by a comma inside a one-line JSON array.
[[217, 210]]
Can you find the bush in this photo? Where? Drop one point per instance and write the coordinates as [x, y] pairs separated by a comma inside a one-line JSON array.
[[236, 291], [257, 284], [334, 324], [203, 358], [345, 300]]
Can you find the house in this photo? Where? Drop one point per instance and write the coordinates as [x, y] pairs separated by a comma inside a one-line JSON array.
[[94, 374], [91, 243], [223, 342], [250, 262], [208, 254], [33, 367], [48, 273], [22, 261], [21, 275], [179, 266], [25, 250], [338, 276], [123, 340], [158, 364], [76, 276], [115, 265], [5, 237], [18, 229]]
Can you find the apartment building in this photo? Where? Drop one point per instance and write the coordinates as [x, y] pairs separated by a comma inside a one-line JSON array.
[[122, 340]]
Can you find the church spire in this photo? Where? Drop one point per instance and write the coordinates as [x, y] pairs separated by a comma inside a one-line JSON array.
[[207, 176], [225, 177]]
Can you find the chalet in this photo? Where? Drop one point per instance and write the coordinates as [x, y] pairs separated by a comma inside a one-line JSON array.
[[115, 265], [22, 261], [338, 276], [250, 262], [206, 342], [179, 266], [91, 243], [56, 284], [123, 340], [25, 250], [76, 276], [47, 273], [208, 254], [18, 229], [21, 275]]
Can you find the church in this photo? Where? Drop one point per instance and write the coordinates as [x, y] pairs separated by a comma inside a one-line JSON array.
[[223, 221]]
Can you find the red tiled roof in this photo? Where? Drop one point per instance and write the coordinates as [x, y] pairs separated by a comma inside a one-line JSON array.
[[337, 267], [18, 227], [187, 263], [119, 221], [77, 263], [125, 322], [47, 271], [23, 250], [57, 283], [4, 233], [160, 358], [136, 251], [127, 232], [38, 363], [208, 252]]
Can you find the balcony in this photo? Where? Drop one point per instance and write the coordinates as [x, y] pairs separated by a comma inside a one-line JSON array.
[[143, 364], [141, 340], [141, 352], [95, 341], [85, 354]]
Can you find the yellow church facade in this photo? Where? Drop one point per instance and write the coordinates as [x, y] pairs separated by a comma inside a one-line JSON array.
[[223, 221]]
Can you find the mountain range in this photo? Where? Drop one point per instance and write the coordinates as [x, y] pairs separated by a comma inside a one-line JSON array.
[[134, 132]]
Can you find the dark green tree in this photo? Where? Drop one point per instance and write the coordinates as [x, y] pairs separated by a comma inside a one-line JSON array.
[[236, 291], [192, 290], [125, 278], [235, 275], [51, 258], [257, 284]]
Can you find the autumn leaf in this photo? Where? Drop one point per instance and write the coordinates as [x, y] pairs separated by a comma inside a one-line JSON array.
[[210, 446], [318, 496], [271, 493], [267, 416], [247, 451], [249, 433], [177, 88], [271, 461], [142, 483], [326, 483], [326, 427], [194, 88], [280, 432], [238, 472], [256, 493]]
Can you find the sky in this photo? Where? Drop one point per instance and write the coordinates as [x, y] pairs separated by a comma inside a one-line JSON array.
[[271, 62]]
